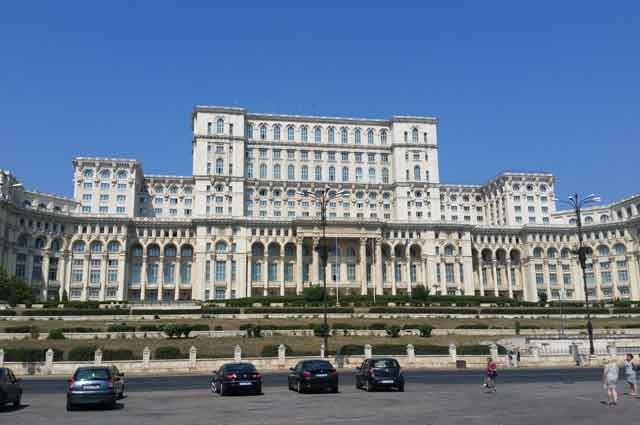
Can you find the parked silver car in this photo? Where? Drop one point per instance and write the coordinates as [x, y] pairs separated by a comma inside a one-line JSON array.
[[10, 389], [95, 385]]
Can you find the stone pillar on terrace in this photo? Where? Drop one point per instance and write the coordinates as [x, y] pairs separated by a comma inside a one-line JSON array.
[[316, 262], [146, 357], [453, 352], [411, 353], [282, 353], [378, 268], [495, 278], [1, 357], [367, 351], [237, 353], [48, 361], [193, 357], [97, 357], [298, 273], [322, 350]]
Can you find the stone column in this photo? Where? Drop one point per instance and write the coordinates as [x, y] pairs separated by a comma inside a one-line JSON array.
[[481, 269], [249, 272], [409, 282], [86, 278], [265, 275], [313, 279], [411, 353], [177, 277], [160, 285], [393, 275], [237, 354], [227, 276], [495, 278], [378, 268], [122, 276], [97, 357], [1, 357], [425, 271], [66, 275], [143, 278], [299, 264], [367, 351], [634, 277], [363, 266], [193, 357], [146, 357], [508, 271], [493, 349], [282, 263]]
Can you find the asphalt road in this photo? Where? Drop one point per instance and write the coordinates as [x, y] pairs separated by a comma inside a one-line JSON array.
[[279, 380], [524, 397]]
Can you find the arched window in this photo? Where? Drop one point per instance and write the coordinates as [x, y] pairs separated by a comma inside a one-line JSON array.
[[113, 247], [449, 251], [220, 126], [414, 135], [588, 220], [105, 174], [136, 251], [619, 249], [56, 245], [221, 247], [291, 172], [122, 175], [290, 133], [318, 173], [416, 173], [332, 173], [250, 171], [356, 136], [318, 135], [96, 247], [276, 171], [78, 246], [603, 251], [276, 132], [344, 138], [383, 137], [303, 133], [345, 174], [263, 132], [564, 253], [385, 175], [186, 251], [304, 174], [358, 174], [88, 173], [263, 171], [604, 218], [331, 135], [248, 131], [289, 250], [552, 253], [537, 252], [219, 166], [370, 137], [372, 175], [40, 243], [170, 251]]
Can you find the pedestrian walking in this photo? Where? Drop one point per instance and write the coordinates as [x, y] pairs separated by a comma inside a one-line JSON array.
[[517, 358], [491, 373], [630, 374], [610, 379]]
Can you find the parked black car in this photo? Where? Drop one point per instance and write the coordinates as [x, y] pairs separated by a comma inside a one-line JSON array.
[[309, 375], [382, 373], [95, 385], [10, 389], [236, 378]]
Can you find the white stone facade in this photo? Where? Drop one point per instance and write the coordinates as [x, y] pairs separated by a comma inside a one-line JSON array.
[[239, 227]]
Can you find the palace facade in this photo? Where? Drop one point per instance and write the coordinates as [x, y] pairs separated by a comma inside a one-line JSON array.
[[241, 225]]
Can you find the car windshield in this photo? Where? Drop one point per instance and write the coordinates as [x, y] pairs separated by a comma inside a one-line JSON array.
[[240, 368], [92, 375], [319, 364], [385, 363]]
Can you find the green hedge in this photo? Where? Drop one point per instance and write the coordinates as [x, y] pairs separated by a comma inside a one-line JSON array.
[[56, 334], [182, 330], [159, 311], [168, 352], [80, 329], [431, 350], [75, 312], [295, 310], [221, 310], [626, 310], [120, 354], [543, 311], [422, 310], [22, 329], [473, 326], [7, 313], [121, 328], [150, 328], [82, 353], [473, 350], [272, 350], [351, 350], [29, 355]]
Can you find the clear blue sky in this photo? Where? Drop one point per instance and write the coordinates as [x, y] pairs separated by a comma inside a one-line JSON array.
[[550, 86]]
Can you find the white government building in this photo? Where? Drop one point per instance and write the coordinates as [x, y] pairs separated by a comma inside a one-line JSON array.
[[240, 227]]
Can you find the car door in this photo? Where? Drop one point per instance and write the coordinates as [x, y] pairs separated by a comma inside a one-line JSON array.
[[218, 377], [117, 379], [11, 385]]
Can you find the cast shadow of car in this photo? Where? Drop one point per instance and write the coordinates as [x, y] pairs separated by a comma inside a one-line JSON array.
[[11, 408], [97, 407]]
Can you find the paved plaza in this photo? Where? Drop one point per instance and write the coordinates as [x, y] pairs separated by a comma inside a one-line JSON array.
[[534, 397]]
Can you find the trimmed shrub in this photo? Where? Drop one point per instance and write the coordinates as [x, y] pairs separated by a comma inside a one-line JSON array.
[[220, 310], [150, 328], [272, 350], [56, 334], [389, 349], [473, 326], [81, 330], [121, 328], [320, 329], [517, 327], [168, 352], [7, 313], [431, 350], [377, 326], [422, 310], [119, 354], [75, 312], [253, 331], [425, 330], [29, 355], [82, 353], [473, 350], [23, 329], [393, 330], [351, 350], [218, 328]]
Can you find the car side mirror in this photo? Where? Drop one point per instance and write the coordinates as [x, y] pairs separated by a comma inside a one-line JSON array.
[[291, 369]]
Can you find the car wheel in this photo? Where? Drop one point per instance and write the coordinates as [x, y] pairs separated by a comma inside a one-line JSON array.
[[18, 400], [299, 388], [334, 390], [121, 394], [69, 407], [112, 405], [212, 387], [367, 386], [259, 390], [222, 391], [401, 388]]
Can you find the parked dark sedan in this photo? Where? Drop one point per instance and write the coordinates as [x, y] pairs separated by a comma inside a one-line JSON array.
[[95, 385], [309, 375], [10, 389], [236, 378], [383, 373]]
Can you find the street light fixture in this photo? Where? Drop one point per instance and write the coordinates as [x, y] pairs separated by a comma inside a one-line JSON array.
[[323, 197], [577, 204]]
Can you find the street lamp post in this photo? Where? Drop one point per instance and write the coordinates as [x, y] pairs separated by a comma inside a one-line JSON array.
[[323, 197], [576, 203]]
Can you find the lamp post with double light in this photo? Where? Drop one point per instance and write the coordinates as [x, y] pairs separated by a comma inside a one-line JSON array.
[[577, 204], [323, 197]]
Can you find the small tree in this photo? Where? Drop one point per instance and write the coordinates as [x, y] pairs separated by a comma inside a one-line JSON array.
[[517, 327], [425, 330], [393, 331], [313, 294], [65, 297], [420, 293], [543, 298]]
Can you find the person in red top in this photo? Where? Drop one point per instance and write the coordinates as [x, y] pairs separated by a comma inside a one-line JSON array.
[[491, 372]]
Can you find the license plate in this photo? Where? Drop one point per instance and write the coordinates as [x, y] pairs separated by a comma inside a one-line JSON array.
[[386, 381], [91, 387], [321, 375], [245, 383]]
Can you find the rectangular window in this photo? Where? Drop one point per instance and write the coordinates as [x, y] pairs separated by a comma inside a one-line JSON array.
[[448, 271], [351, 272], [220, 271], [288, 272], [273, 272]]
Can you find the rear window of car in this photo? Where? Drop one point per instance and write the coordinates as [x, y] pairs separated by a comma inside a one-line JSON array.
[[92, 375], [316, 365], [387, 363], [241, 368]]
